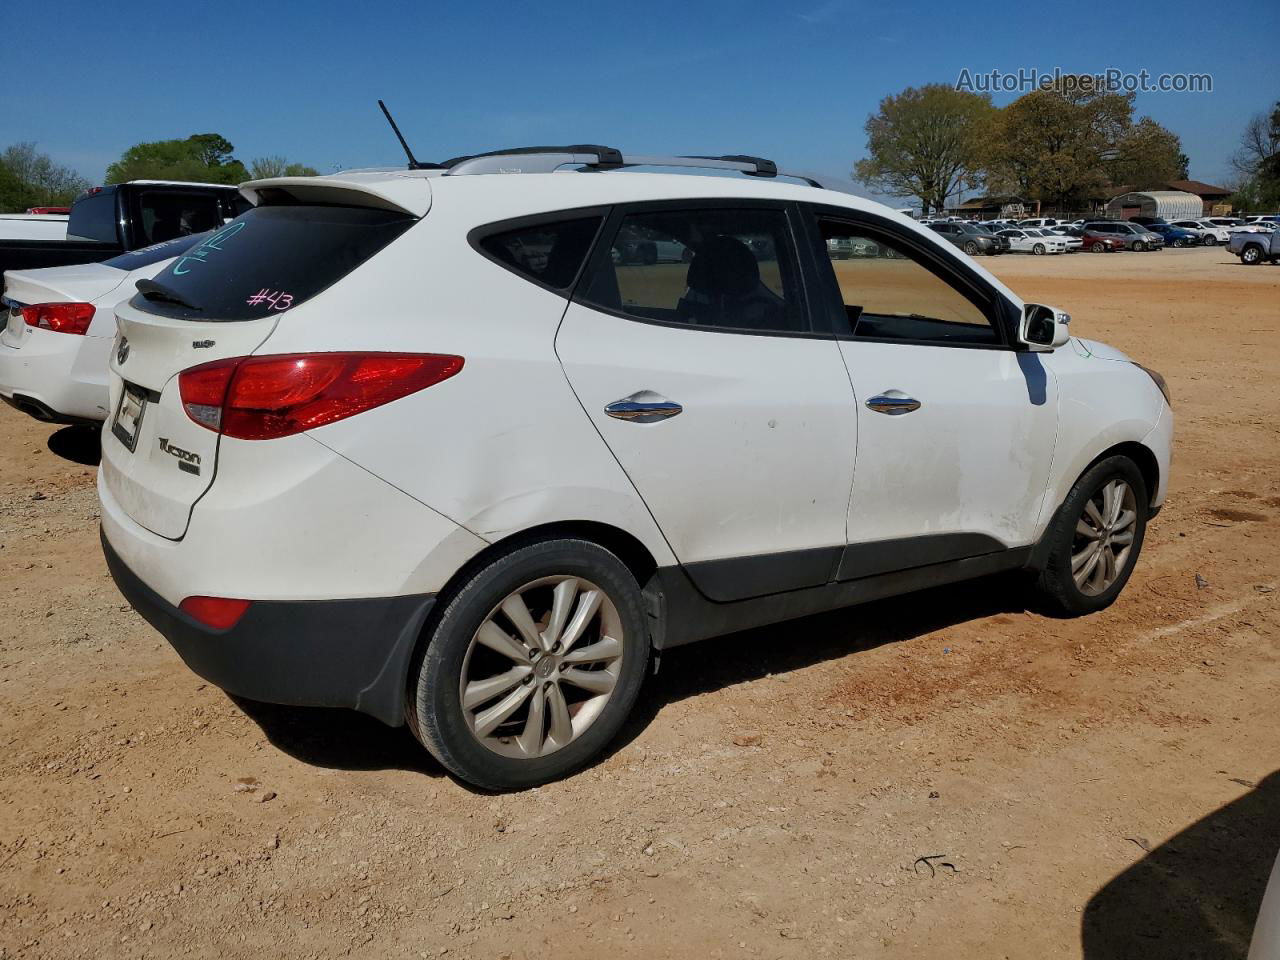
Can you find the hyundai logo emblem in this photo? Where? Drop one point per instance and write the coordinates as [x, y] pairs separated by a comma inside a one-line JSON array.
[[122, 351]]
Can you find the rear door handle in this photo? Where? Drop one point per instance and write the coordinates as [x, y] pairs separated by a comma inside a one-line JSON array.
[[643, 407], [893, 402]]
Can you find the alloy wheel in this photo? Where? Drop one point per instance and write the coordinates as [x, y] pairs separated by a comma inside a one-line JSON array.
[[541, 667], [1104, 537]]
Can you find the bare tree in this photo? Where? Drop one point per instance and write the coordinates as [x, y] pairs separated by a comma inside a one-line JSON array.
[[1258, 143]]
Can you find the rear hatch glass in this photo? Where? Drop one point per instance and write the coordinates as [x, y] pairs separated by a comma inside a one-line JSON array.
[[156, 461], [268, 260]]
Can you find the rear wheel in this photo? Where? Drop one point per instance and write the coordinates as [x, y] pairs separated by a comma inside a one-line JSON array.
[[533, 666], [1095, 538]]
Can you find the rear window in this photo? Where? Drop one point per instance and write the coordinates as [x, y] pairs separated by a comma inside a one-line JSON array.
[[268, 260], [94, 218], [156, 252]]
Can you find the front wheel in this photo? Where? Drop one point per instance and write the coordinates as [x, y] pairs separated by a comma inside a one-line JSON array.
[[1139, 247], [1251, 255], [971, 248], [1095, 538], [533, 666], [1210, 241], [1038, 249], [1097, 248]]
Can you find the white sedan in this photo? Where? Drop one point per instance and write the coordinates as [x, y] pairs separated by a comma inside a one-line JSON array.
[[1209, 233], [1073, 243], [60, 326], [1028, 240]]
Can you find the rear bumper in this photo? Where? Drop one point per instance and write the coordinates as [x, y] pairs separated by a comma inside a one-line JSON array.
[[321, 653]]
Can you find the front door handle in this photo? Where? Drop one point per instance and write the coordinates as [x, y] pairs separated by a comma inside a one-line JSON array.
[[643, 407], [893, 402]]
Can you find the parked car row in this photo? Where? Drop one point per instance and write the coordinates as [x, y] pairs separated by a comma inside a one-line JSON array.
[[580, 420]]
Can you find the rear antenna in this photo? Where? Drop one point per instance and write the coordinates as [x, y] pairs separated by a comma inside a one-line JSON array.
[[413, 163]]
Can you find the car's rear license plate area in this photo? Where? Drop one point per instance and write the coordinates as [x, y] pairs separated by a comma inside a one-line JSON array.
[[128, 418]]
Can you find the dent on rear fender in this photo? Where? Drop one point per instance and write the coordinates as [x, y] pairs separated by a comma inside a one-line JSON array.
[[547, 505]]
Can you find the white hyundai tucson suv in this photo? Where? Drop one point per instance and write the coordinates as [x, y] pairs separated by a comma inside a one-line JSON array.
[[431, 444]]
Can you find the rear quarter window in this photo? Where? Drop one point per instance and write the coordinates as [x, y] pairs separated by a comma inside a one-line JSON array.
[[269, 260], [548, 253]]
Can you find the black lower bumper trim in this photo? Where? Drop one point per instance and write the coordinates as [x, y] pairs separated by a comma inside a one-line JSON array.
[[319, 653], [45, 413]]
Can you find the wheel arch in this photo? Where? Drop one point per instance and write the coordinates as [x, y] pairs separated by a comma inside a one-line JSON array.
[[1142, 456], [627, 547]]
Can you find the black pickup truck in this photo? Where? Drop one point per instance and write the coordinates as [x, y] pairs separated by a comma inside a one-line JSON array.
[[108, 221]]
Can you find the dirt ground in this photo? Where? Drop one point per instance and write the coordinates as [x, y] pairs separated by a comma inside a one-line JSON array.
[[940, 775]]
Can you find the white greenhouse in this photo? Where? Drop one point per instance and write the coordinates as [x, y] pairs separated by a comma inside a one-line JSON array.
[[1170, 204]]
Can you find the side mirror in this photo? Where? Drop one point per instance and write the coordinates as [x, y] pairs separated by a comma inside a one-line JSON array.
[[1043, 328]]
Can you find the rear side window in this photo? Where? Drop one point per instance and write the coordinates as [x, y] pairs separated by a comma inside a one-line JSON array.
[[167, 214], [94, 218], [268, 260], [549, 253], [717, 268], [156, 252]]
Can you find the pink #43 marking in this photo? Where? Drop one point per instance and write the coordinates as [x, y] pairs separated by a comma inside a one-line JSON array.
[[274, 299]]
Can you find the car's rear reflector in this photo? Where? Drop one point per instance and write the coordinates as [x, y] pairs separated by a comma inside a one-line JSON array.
[[220, 613], [60, 317], [262, 398]]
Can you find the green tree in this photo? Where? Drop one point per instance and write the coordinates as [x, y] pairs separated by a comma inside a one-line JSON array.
[[200, 158], [1049, 144], [29, 178], [275, 165], [924, 142], [1148, 156]]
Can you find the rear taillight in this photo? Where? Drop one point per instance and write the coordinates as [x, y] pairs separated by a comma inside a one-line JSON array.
[[262, 398], [59, 317], [221, 613]]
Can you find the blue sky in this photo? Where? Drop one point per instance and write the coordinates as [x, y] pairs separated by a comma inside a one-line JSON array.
[[793, 83]]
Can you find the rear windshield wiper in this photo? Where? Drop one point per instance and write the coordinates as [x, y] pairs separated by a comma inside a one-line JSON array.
[[159, 292]]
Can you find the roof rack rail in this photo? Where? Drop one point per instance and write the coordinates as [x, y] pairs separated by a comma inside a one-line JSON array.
[[605, 157], [550, 159]]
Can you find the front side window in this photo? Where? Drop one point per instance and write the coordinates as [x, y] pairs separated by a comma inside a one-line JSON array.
[[548, 253], [717, 268], [889, 293]]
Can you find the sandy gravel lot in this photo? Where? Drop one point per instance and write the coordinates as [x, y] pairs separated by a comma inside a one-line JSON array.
[[941, 775]]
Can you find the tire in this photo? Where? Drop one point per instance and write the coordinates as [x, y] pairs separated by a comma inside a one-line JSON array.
[[1038, 249], [1097, 248], [454, 655], [1139, 246], [1251, 255], [1210, 240], [971, 248], [1056, 585]]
